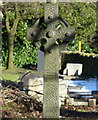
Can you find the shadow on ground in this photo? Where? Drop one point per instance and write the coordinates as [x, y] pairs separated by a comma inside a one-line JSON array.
[[72, 113]]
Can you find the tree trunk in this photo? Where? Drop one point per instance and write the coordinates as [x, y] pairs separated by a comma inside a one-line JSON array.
[[11, 33], [10, 51]]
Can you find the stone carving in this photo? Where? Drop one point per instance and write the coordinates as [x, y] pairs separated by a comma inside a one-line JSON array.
[[34, 83], [47, 33]]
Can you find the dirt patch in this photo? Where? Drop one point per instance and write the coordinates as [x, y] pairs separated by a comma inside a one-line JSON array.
[[16, 104]]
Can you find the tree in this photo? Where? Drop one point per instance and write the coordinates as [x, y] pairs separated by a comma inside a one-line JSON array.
[[24, 52], [82, 16], [11, 31], [96, 36]]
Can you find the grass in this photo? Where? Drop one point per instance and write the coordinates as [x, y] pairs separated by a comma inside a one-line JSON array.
[[14, 74], [10, 105]]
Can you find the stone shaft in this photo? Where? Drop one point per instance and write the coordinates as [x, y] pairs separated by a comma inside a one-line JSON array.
[[51, 66]]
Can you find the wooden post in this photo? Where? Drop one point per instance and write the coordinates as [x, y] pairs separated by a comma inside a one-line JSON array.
[[80, 43]]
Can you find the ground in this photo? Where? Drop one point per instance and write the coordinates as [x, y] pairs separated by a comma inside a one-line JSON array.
[[80, 112], [14, 103], [14, 74]]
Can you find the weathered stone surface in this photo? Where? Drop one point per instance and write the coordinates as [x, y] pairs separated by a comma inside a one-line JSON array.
[[51, 62], [71, 101], [40, 61], [92, 102], [47, 40], [34, 83], [36, 88], [73, 69], [63, 85], [77, 103]]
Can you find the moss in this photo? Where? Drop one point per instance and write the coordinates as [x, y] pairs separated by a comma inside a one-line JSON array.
[[80, 53], [9, 106]]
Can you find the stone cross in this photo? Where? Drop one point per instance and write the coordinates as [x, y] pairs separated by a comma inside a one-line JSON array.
[[46, 34], [51, 68]]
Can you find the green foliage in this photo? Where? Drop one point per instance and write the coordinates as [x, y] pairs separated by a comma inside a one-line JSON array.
[[81, 16], [11, 14], [24, 52]]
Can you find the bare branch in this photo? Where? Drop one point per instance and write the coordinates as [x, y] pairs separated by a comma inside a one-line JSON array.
[[4, 11], [16, 11], [14, 27], [7, 22]]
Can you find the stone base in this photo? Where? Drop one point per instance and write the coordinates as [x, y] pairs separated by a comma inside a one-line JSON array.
[[92, 102], [71, 101]]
